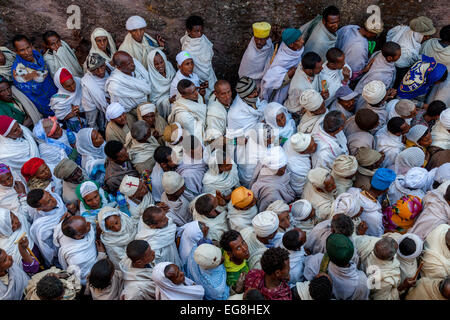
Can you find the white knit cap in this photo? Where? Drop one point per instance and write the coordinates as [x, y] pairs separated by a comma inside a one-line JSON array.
[[135, 22], [113, 111], [346, 204], [374, 92], [300, 141], [147, 108], [442, 173], [172, 182], [87, 187], [275, 158], [129, 185], [417, 240], [416, 132], [183, 55], [416, 178], [207, 256], [278, 206], [265, 223], [444, 118], [311, 100], [301, 209]]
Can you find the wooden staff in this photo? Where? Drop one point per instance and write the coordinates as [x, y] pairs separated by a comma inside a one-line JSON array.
[[29, 250], [274, 53], [418, 270]]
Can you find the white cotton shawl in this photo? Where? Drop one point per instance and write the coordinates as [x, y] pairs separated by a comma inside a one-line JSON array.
[[390, 144], [217, 226], [94, 94], [354, 46], [10, 56], [328, 148], [9, 196], [18, 281], [138, 282], [254, 61], [201, 50], [190, 115], [63, 58], [398, 189], [129, 91], [116, 242], [137, 210], [299, 83], [90, 154], [432, 48], [190, 234], [8, 236], [179, 209], [140, 151], [298, 165], [225, 181], [310, 122], [440, 136], [216, 119], [320, 39], [408, 159], [167, 290], [61, 103], [139, 51], [73, 253], [285, 59], [270, 116], [410, 43], [100, 32], [243, 117], [160, 86], [15, 152], [436, 255], [372, 213], [240, 219], [255, 247], [27, 104], [334, 80]]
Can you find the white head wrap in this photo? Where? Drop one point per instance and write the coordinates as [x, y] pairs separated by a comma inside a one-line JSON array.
[[172, 182], [183, 55], [265, 223], [317, 176], [207, 256], [374, 91], [444, 118], [417, 178], [301, 209], [114, 110], [147, 108], [279, 206], [374, 25], [275, 158], [443, 173], [135, 22], [271, 112], [345, 165], [300, 141], [311, 100], [416, 132], [346, 204], [407, 159], [417, 241], [129, 185], [87, 187]]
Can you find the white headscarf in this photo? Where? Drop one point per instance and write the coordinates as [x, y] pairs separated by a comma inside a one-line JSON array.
[[9, 196], [418, 178], [443, 173], [374, 91], [317, 177], [100, 32], [279, 206], [87, 187], [300, 141], [18, 281], [208, 256], [270, 115], [62, 102], [86, 148], [417, 241], [225, 181], [444, 118], [346, 204], [167, 290], [265, 223], [172, 182], [275, 159], [409, 158]]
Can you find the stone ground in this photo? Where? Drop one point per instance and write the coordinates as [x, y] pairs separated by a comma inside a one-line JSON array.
[[228, 22]]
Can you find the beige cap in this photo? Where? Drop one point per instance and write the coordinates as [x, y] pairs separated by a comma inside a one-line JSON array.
[[422, 25]]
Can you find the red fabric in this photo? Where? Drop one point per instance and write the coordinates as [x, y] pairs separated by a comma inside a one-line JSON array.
[[255, 279], [5, 122], [30, 167], [64, 75]]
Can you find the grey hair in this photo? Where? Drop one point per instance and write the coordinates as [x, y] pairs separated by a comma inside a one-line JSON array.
[[139, 130], [333, 121], [388, 248]]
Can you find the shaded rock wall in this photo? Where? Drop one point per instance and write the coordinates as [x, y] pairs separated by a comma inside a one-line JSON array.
[[228, 22]]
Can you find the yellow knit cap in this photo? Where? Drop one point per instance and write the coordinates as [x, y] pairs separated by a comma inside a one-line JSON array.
[[261, 29], [241, 197]]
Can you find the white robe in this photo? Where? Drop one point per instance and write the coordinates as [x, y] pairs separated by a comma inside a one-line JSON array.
[[63, 58], [129, 91], [354, 46], [193, 77], [255, 61], [93, 92], [409, 41], [372, 213], [255, 247], [240, 219], [190, 115], [390, 144], [17, 282], [397, 190], [328, 148], [137, 282], [298, 166], [179, 210], [310, 123], [436, 255], [333, 79], [440, 136], [299, 83], [217, 226], [216, 119], [242, 117], [320, 40], [139, 50]]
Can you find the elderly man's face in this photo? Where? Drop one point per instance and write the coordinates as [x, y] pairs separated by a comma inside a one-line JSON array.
[[81, 226], [260, 42], [175, 275], [16, 131], [150, 118], [24, 49], [5, 92], [137, 34], [298, 44], [43, 172], [102, 43], [311, 148], [321, 110], [76, 177], [329, 184], [224, 94], [127, 65]]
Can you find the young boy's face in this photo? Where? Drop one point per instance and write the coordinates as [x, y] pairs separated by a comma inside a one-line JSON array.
[[196, 32], [175, 274]]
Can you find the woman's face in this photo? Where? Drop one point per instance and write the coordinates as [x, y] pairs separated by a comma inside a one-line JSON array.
[[97, 139], [426, 140], [43, 172], [93, 200], [15, 222], [16, 131], [69, 85], [159, 63], [6, 179], [113, 223], [281, 119], [102, 43]]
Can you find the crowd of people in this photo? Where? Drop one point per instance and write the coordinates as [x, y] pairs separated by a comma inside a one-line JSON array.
[[326, 177]]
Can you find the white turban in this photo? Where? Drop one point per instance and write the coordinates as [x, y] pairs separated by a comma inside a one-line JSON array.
[[407, 159], [416, 132], [317, 176], [279, 206], [114, 110], [147, 108], [417, 178], [443, 173], [172, 182], [444, 118], [207, 256], [374, 92], [300, 141], [129, 185], [301, 209], [135, 22], [374, 25], [275, 158], [417, 241], [345, 166], [183, 55], [346, 204], [265, 223], [405, 107], [311, 100], [87, 187]]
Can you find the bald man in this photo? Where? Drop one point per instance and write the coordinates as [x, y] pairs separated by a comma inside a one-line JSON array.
[[129, 83], [219, 103]]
